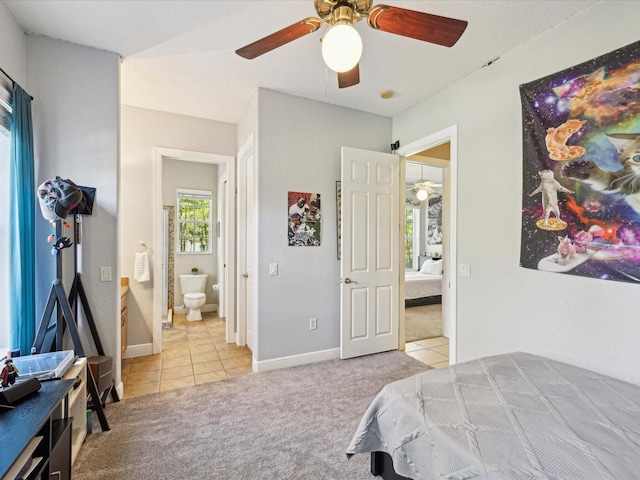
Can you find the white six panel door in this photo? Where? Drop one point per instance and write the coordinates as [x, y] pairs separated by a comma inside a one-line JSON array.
[[370, 252]]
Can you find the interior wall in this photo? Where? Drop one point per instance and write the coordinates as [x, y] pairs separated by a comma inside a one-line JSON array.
[[142, 130], [248, 124], [13, 47], [502, 307], [76, 136], [299, 150], [199, 176]]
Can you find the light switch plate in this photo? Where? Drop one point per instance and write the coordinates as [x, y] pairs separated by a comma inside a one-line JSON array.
[[273, 269], [105, 274], [464, 270]]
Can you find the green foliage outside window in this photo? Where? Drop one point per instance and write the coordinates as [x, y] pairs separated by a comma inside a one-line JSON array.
[[408, 237], [194, 223]]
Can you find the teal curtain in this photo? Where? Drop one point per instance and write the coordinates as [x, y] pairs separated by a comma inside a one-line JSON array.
[[22, 198]]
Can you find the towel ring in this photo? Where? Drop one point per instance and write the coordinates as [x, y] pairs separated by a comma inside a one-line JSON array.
[[144, 246]]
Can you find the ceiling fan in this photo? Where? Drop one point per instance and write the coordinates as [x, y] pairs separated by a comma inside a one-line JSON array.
[[423, 189], [341, 44]]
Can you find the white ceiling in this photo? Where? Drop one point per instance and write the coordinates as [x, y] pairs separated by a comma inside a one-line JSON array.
[[179, 55], [415, 172]]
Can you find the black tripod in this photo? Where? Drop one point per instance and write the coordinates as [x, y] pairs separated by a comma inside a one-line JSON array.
[[48, 332]]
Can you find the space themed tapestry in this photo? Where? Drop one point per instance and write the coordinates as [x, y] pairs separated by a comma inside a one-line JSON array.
[[581, 173]]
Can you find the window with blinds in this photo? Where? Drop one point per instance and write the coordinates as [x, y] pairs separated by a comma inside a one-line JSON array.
[[6, 89], [194, 221]]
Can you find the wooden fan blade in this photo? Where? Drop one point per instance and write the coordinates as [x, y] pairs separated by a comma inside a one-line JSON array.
[[279, 38], [430, 28], [350, 78]]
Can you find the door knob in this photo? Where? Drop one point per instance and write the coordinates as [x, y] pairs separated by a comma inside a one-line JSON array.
[[348, 280], [245, 275]]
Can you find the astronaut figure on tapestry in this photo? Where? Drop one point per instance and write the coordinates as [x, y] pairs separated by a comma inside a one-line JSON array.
[[581, 175]]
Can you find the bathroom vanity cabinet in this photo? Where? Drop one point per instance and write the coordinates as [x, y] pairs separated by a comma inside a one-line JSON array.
[[35, 438]]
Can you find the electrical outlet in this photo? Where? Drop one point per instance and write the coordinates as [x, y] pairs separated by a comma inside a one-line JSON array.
[[105, 274], [313, 324]]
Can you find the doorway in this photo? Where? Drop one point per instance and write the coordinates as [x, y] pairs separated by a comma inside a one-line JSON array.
[[435, 146], [226, 267], [423, 229], [245, 314]]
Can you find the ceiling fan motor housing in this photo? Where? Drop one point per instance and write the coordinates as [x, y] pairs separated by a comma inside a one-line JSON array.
[[343, 11]]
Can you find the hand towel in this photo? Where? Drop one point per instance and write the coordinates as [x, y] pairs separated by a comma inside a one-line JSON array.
[[141, 268]]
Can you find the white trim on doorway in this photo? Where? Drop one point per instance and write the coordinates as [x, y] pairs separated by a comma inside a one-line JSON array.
[[245, 228], [450, 135], [159, 153]]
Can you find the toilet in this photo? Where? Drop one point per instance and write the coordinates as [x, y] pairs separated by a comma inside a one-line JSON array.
[[192, 286]]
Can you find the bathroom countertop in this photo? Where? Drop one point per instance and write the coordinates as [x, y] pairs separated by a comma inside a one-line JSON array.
[[124, 285]]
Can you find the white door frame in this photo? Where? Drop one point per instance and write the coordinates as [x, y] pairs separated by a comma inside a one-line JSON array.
[[159, 153], [449, 134], [245, 227], [223, 226]]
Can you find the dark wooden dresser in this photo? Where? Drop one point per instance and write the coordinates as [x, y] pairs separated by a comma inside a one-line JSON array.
[[35, 437]]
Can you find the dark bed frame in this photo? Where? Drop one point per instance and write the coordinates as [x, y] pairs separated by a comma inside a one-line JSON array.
[[382, 465], [415, 302]]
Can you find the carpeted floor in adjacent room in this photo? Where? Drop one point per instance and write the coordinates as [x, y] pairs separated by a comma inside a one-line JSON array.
[[292, 423], [424, 321]]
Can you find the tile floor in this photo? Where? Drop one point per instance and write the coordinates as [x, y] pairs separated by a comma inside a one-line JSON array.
[[432, 351], [193, 353], [196, 352]]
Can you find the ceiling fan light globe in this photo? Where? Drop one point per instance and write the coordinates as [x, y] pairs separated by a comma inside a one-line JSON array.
[[422, 195], [341, 48]]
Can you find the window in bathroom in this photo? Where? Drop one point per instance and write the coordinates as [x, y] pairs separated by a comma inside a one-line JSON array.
[[194, 221]]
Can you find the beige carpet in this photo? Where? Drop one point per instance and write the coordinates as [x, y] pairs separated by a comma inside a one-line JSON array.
[[294, 423], [422, 322]]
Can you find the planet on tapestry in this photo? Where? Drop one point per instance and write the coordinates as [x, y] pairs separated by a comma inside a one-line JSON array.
[[304, 219], [581, 169]]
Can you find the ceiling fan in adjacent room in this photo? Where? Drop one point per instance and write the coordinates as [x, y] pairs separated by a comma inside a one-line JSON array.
[[423, 189], [341, 43]]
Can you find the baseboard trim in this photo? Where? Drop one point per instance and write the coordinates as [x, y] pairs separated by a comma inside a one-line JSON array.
[[295, 360], [209, 307], [139, 350]]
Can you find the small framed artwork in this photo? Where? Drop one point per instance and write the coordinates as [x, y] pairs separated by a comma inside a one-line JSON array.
[[304, 214]]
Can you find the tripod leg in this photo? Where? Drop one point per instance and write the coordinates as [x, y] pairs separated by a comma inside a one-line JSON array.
[[89, 316], [73, 294], [114, 394], [44, 322], [68, 316], [96, 400]]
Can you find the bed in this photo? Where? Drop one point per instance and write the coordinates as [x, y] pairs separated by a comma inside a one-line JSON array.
[[515, 416], [424, 287]]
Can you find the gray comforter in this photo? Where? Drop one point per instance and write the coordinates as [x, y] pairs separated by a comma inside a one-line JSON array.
[[509, 417]]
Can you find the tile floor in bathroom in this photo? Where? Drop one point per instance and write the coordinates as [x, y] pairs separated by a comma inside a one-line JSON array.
[[193, 353], [196, 352]]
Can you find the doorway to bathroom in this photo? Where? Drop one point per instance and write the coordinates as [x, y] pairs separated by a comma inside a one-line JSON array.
[[188, 242]]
